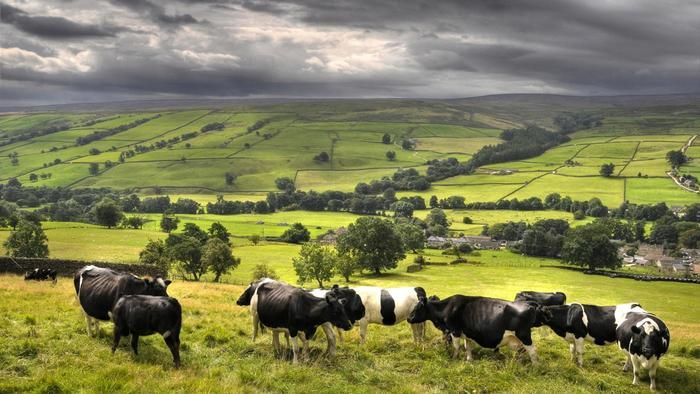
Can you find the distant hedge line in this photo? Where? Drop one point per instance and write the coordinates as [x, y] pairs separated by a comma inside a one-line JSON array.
[[69, 267]]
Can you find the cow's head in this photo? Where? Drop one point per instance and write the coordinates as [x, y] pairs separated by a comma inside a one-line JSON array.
[[652, 338], [247, 295], [156, 286], [338, 316], [354, 307], [542, 314], [420, 312]]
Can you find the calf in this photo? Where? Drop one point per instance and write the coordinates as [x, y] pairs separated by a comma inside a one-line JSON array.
[[644, 338], [142, 315], [296, 311], [544, 299], [577, 323], [489, 322], [389, 307], [41, 274], [98, 289]]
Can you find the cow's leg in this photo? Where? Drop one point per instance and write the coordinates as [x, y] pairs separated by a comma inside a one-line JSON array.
[[276, 342], [455, 346], [135, 343], [532, 352], [295, 350], [173, 342], [579, 351], [628, 363], [339, 334], [330, 337], [88, 323], [363, 330], [96, 327], [256, 324], [117, 337], [652, 375], [468, 349], [525, 338], [635, 370]]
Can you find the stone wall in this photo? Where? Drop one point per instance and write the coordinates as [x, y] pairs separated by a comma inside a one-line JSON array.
[[69, 267]]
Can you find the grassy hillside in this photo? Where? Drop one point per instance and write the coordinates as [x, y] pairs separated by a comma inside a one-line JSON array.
[[635, 139], [46, 349]]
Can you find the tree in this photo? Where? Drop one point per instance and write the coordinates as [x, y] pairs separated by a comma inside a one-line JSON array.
[[108, 213], [27, 240], [589, 246], [402, 209], [33, 177], [411, 235], [322, 157], [296, 234], [467, 220], [391, 155], [676, 157], [315, 262], [155, 253], [188, 252], [386, 139], [407, 144], [217, 230], [373, 243], [433, 201], [345, 265], [194, 231], [135, 222], [437, 217], [230, 178], [94, 169], [264, 271], [14, 182], [285, 183], [254, 239], [168, 223], [607, 170], [216, 255]]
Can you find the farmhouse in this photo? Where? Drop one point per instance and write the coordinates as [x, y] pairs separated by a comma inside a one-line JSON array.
[[331, 237], [475, 241]]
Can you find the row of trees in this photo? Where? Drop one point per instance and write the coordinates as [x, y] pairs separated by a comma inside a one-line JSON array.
[[100, 134]]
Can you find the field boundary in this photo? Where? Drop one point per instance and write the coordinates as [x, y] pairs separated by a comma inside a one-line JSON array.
[[21, 265]]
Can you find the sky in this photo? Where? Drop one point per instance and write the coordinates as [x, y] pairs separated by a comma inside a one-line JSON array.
[[63, 51]]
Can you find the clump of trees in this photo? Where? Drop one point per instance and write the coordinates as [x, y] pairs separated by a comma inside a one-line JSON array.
[[212, 127], [194, 252], [373, 243], [27, 239], [322, 157], [296, 234], [519, 144], [568, 122], [676, 158], [101, 134], [606, 170]]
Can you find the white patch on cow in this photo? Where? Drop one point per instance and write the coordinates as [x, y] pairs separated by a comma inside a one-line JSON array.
[[665, 342], [161, 282], [320, 293], [110, 316], [254, 307], [80, 283], [622, 310], [585, 316], [166, 334], [648, 324]]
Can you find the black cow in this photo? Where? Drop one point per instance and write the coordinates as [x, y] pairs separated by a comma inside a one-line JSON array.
[[644, 338], [98, 289], [142, 315], [489, 322], [41, 274], [577, 323], [296, 311], [544, 299]]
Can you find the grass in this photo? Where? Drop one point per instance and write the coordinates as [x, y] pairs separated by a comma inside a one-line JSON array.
[[47, 349]]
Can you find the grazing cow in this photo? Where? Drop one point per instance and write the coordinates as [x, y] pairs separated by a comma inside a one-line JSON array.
[[41, 274], [489, 322], [644, 338], [544, 299], [577, 323], [353, 308], [142, 315], [296, 311], [98, 289], [388, 307]]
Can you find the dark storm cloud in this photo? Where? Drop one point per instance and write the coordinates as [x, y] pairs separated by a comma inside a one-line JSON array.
[[156, 12], [50, 26], [419, 48]]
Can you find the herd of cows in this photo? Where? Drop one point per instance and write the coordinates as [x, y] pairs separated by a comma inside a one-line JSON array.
[[141, 306]]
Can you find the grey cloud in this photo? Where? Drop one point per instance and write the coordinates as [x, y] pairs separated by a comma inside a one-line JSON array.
[[156, 12], [52, 27]]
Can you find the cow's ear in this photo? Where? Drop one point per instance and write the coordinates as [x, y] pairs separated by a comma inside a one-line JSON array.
[[636, 330], [167, 282], [335, 287]]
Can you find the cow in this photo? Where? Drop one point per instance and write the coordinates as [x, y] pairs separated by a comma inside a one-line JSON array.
[[388, 307], [246, 299], [284, 307], [644, 338], [39, 274], [577, 323], [142, 315], [544, 299], [98, 289], [489, 322]]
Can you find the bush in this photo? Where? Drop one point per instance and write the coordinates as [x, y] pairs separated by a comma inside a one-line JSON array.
[[264, 271], [296, 234], [467, 220]]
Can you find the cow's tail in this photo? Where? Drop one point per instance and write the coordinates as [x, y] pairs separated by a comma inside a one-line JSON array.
[[583, 311]]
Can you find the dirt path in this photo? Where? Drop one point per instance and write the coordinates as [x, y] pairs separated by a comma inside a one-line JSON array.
[[675, 179]]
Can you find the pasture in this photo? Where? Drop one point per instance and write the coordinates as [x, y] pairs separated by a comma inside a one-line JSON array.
[[47, 349]]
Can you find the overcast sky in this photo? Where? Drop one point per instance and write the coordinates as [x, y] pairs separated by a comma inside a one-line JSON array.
[[98, 50]]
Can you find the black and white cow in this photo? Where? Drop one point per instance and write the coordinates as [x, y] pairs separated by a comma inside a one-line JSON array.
[[489, 322], [388, 307], [142, 315], [644, 338], [98, 289], [577, 323], [295, 311], [354, 308], [544, 299], [41, 274]]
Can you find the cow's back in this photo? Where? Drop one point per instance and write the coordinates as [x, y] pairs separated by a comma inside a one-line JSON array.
[[486, 319], [272, 301], [97, 290], [387, 306]]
